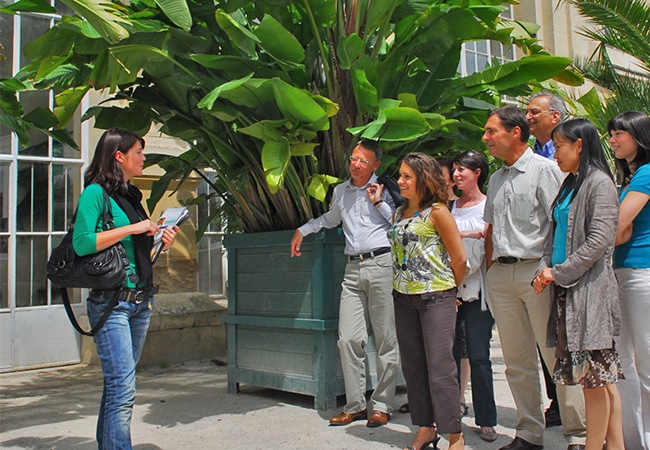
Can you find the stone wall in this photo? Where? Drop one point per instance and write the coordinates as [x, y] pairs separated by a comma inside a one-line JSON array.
[[184, 327]]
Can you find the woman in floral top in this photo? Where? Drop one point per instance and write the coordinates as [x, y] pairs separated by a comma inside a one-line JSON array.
[[429, 260]]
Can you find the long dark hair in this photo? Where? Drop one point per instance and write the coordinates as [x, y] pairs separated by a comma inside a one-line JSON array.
[[104, 169], [430, 182], [592, 154], [637, 124]]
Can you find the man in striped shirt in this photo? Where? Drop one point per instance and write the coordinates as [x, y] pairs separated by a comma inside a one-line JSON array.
[[518, 215]]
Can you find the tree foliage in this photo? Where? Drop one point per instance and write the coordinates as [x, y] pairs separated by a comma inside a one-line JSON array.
[[617, 26]]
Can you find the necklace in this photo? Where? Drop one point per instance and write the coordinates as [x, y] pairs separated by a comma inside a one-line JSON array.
[[405, 239]]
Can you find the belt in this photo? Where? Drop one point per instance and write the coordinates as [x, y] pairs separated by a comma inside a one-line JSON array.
[[508, 260], [372, 254], [136, 296]]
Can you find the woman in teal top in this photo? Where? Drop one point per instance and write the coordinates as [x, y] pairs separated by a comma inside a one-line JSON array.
[[118, 157], [585, 319], [630, 139], [429, 261]]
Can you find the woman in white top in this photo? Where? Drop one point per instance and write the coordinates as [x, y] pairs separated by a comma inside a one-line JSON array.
[[470, 172]]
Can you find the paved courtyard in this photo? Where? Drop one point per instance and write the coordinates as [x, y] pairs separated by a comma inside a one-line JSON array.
[[187, 406]]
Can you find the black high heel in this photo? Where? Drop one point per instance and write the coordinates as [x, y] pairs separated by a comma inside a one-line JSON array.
[[433, 445]]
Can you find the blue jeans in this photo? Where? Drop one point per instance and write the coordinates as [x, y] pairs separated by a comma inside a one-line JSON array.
[[478, 325], [119, 346]]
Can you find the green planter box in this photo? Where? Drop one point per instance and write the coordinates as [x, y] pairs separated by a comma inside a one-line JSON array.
[[283, 314]]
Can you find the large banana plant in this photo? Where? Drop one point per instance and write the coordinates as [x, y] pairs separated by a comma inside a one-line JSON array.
[[271, 95]]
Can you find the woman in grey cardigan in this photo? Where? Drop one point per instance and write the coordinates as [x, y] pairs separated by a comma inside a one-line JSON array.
[[585, 317]]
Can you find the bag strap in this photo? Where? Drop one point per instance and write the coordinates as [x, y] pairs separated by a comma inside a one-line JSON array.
[[107, 224], [107, 215], [73, 319]]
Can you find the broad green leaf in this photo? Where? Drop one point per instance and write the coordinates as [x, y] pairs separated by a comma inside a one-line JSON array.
[[60, 73], [570, 78], [267, 129], [444, 33], [320, 184], [504, 76], [275, 159], [434, 120], [239, 35], [365, 93], [131, 118], [41, 117], [591, 101], [489, 13], [52, 44], [408, 99], [67, 103], [403, 124], [303, 148], [177, 11], [371, 131], [34, 6], [236, 66], [519, 29], [298, 104], [278, 42], [234, 85], [18, 126], [349, 49], [122, 64], [475, 103], [386, 103], [330, 108], [380, 12], [103, 17], [9, 101]]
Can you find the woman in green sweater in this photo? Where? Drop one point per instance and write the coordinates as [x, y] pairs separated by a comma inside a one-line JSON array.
[[118, 157]]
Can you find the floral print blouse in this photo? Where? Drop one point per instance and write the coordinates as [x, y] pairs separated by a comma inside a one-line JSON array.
[[421, 263]]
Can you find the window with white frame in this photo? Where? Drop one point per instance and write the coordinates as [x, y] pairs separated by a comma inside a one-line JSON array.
[[476, 56], [39, 182], [212, 260]]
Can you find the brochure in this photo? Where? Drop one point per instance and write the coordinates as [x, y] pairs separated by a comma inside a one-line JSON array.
[[169, 218]]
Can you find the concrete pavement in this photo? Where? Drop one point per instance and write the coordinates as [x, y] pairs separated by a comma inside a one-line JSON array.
[[186, 406]]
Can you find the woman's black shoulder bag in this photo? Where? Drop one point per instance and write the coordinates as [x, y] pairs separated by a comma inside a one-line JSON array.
[[104, 270]]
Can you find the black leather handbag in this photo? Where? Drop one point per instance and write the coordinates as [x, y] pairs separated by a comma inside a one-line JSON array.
[[104, 270]]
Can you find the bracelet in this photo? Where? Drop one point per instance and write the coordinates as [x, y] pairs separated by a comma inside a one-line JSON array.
[[378, 202]]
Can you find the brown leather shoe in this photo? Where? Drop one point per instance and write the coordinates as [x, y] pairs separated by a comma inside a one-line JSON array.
[[377, 419], [345, 418]]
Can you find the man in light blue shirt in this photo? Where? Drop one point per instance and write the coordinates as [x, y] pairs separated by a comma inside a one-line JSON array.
[[365, 211], [545, 111]]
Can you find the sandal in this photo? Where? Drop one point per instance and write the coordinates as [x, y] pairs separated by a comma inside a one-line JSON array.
[[433, 445]]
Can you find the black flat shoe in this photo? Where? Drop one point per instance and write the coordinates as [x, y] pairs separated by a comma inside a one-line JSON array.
[[404, 408]]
